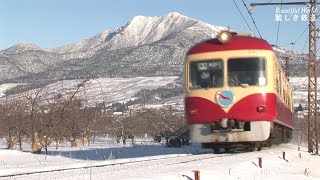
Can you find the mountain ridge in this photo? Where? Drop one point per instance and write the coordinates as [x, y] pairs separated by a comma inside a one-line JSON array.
[[167, 35]]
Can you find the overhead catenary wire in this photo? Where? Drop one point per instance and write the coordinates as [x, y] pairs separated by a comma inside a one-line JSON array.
[[254, 23], [242, 15], [278, 30], [305, 45], [307, 39], [294, 43], [269, 3], [302, 35]]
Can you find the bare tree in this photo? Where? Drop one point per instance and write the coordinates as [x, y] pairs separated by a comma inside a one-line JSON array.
[[69, 105], [12, 113], [300, 133], [33, 100]]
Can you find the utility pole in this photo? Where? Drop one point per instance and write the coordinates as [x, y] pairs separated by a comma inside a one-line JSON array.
[[313, 137], [312, 82]]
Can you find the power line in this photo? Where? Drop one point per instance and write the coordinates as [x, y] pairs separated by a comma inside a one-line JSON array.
[[252, 18], [301, 35], [278, 26], [271, 4], [294, 42], [242, 15], [304, 45]]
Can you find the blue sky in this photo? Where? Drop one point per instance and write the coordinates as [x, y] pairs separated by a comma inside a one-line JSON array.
[[52, 23]]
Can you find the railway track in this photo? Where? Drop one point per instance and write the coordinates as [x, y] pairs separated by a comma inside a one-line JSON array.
[[152, 162]]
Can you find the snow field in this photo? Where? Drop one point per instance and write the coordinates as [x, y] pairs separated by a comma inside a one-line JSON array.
[[149, 160]]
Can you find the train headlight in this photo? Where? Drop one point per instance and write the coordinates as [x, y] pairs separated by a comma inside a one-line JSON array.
[[224, 122], [224, 37]]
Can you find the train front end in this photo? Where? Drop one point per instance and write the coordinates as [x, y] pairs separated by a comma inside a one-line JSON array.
[[229, 90]]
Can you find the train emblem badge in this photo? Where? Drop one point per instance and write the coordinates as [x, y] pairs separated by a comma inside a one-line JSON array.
[[225, 98]]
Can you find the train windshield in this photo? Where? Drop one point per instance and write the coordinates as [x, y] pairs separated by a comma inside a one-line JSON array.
[[206, 74], [246, 72]]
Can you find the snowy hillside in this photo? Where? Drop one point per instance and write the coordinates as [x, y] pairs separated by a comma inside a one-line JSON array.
[[112, 90], [108, 90]]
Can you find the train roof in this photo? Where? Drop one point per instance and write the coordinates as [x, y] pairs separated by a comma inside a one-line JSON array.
[[235, 43]]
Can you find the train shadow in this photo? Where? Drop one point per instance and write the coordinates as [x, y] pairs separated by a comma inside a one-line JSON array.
[[121, 151]]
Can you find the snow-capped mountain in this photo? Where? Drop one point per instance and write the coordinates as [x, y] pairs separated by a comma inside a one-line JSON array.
[[21, 47], [145, 46], [138, 31]]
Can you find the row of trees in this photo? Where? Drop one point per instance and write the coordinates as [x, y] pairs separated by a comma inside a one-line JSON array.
[[65, 117]]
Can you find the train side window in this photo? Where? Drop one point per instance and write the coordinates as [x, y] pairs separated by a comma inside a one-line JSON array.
[[247, 71], [206, 74], [278, 79]]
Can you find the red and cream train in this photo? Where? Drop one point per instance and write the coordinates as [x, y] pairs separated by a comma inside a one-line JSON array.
[[236, 93]]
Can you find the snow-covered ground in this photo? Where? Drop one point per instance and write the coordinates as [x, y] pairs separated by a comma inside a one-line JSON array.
[[149, 160]]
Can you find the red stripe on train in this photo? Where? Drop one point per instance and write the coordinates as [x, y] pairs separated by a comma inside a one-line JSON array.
[[200, 110], [235, 43], [284, 115]]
